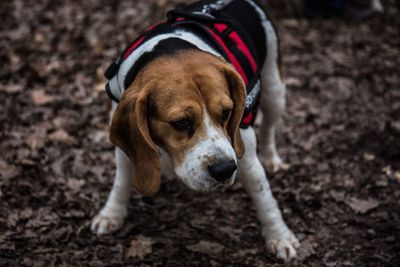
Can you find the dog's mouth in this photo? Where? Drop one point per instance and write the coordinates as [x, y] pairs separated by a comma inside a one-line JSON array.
[[206, 184], [210, 186], [218, 186]]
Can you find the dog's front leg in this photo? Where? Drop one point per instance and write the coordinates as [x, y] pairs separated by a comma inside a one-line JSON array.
[[111, 216], [280, 240]]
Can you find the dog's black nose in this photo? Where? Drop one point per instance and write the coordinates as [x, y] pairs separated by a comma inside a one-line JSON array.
[[222, 170]]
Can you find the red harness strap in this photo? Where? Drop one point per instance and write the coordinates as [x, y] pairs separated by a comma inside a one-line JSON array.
[[220, 27], [234, 36], [138, 42], [232, 58]]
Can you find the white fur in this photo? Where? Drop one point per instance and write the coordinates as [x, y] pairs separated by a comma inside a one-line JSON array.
[[272, 98], [214, 146], [280, 240], [112, 215]]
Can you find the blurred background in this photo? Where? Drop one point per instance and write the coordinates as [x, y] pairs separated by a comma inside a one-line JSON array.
[[340, 135]]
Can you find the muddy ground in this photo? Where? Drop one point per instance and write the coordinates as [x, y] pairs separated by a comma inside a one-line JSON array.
[[341, 136]]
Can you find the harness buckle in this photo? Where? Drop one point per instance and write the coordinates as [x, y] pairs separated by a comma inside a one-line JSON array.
[[217, 6]]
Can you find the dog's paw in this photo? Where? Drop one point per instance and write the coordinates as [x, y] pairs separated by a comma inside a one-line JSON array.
[[284, 247], [103, 224], [273, 163]]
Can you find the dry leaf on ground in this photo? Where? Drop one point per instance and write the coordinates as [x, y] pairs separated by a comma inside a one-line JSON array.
[[11, 88], [39, 97], [62, 136], [206, 247], [362, 206], [307, 248], [8, 171], [139, 247], [76, 184]]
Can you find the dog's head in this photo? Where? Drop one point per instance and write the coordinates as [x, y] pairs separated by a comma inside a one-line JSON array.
[[190, 105]]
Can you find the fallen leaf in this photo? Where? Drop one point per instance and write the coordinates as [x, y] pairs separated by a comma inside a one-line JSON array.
[[36, 140], [233, 234], [362, 206], [22, 154], [8, 171], [101, 81], [37, 136], [307, 248], [11, 88], [293, 82], [99, 136], [139, 247], [387, 170], [382, 181], [337, 195], [246, 252], [39, 97], [62, 136], [59, 233], [12, 220], [368, 156], [76, 184], [397, 176], [396, 125], [26, 213], [206, 247], [43, 217]]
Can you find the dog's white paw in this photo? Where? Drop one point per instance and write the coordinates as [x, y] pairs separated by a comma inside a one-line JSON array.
[[283, 247], [273, 163], [103, 223]]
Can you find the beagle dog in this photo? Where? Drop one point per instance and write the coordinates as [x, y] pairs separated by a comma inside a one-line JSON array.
[[185, 94]]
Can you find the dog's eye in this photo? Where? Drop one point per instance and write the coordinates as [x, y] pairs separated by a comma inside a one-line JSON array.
[[225, 115], [182, 124]]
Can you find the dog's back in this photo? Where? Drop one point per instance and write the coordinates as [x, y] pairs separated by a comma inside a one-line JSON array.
[[244, 15]]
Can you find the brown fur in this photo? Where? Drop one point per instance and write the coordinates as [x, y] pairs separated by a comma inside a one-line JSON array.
[[129, 131], [166, 90]]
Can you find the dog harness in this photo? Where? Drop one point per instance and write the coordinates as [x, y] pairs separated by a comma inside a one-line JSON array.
[[229, 29]]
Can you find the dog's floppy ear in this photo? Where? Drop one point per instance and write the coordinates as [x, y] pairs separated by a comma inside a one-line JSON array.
[[238, 95], [130, 132]]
